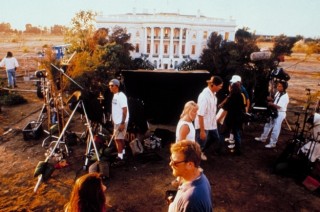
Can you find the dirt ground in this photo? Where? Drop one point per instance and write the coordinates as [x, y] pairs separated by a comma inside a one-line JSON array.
[[239, 183]]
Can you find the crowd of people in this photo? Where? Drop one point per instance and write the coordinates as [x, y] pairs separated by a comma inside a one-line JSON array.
[[200, 126]]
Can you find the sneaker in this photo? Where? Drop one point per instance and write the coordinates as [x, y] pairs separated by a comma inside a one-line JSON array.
[[203, 156], [270, 146], [231, 146], [228, 140], [260, 139]]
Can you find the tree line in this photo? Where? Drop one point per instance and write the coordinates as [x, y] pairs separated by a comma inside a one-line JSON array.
[[55, 29]]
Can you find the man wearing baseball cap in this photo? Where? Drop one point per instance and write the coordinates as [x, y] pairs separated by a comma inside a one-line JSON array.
[[120, 118], [206, 121]]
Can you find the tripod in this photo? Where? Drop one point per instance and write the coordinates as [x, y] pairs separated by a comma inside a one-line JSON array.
[[59, 141], [47, 108]]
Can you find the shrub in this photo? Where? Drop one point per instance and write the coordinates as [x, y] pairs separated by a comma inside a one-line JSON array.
[[25, 50]]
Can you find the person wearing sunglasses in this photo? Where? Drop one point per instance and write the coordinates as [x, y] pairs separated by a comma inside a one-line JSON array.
[[206, 121], [194, 192], [120, 119]]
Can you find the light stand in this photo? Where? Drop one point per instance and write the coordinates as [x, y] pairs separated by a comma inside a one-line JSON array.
[[57, 143]]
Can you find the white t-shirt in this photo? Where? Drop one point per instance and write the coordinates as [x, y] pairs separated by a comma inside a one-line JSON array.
[[192, 133], [119, 101], [9, 63], [207, 102], [282, 102]]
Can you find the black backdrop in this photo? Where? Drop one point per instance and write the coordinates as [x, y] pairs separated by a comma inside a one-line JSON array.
[[164, 93]]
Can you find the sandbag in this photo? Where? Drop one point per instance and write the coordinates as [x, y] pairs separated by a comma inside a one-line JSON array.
[[136, 146], [44, 168]]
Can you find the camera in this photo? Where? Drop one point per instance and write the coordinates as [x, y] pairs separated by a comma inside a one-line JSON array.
[[41, 74], [170, 195]]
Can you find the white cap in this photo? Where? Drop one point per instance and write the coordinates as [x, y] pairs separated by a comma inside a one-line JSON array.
[[235, 78]]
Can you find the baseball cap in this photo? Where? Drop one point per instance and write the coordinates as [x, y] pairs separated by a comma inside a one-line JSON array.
[[235, 78], [114, 82]]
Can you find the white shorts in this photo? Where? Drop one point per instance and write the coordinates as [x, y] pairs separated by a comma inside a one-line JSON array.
[[122, 134]]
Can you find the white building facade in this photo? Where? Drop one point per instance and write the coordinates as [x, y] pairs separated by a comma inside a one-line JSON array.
[[167, 39]]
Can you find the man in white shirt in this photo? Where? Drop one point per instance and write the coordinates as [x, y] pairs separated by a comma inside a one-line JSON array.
[[10, 63], [206, 121], [120, 118]]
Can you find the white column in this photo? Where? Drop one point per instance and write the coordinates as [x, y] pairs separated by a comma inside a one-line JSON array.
[[161, 42], [171, 42], [161, 46], [180, 43], [145, 40], [152, 43], [187, 44]]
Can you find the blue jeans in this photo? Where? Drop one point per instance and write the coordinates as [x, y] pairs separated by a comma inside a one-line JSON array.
[[11, 74], [211, 137]]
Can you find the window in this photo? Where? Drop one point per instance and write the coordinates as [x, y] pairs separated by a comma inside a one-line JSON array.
[[165, 49], [157, 32], [148, 48], [226, 36], [166, 32], [137, 47], [137, 34], [156, 48], [193, 49], [183, 49], [194, 36], [174, 49], [205, 35]]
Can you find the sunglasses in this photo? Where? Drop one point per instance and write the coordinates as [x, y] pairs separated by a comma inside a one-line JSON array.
[[175, 163]]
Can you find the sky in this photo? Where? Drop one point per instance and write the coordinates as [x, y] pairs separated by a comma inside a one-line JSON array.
[[269, 17]]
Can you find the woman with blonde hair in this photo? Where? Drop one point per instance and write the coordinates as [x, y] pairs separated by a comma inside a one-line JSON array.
[[185, 128], [87, 195]]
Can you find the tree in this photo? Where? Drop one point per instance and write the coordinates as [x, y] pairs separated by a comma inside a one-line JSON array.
[[57, 29], [99, 55], [117, 51], [32, 29], [5, 27], [210, 58], [283, 45], [82, 28]]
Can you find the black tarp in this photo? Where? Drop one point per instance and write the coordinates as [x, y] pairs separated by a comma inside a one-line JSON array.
[[164, 92]]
